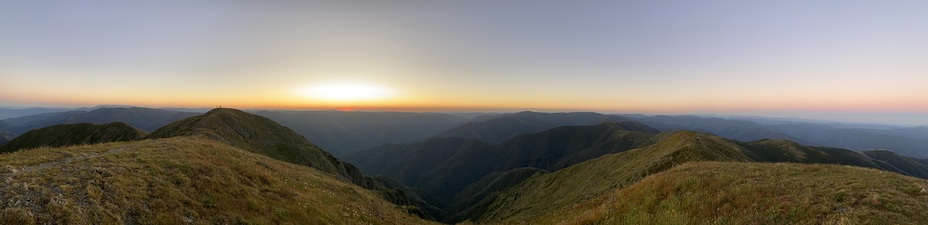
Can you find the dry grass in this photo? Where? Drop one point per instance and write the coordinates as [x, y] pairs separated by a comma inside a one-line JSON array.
[[757, 193], [178, 181], [551, 192]]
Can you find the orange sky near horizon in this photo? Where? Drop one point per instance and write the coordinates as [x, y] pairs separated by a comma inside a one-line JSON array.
[[632, 57]]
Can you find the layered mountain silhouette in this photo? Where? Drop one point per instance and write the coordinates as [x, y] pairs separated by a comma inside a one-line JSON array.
[[906, 141], [498, 128], [340, 132], [146, 119], [74, 134]]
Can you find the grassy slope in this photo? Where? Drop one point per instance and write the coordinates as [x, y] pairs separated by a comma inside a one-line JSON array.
[[475, 199], [553, 191], [757, 193], [74, 134], [253, 133], [263, 136], [178, 180]]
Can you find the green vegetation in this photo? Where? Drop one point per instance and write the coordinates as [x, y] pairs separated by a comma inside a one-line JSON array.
[[756, 193], [74, 134], [184, 180]]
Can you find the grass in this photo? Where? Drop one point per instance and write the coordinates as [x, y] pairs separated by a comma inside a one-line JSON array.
[[756, 193], [543, 194], [182, 180]]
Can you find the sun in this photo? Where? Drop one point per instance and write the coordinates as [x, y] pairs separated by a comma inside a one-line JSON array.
[[346, 91]]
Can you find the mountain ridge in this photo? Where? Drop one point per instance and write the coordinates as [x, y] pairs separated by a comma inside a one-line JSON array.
[[264, 136], [74, 134]]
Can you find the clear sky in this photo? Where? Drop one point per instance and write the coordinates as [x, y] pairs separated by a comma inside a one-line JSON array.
[[723, 57]]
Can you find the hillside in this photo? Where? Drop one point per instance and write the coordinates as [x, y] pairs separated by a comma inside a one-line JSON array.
[[476, 198], [444, 166], [498, 128], [550, 192], [263, 136], [6, 112], [255, 134], [183, 180], [74, 134], [755, 193], [909, 166]]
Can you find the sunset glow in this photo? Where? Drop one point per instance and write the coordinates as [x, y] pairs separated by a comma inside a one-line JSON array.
[[607, 56], [346, 92]]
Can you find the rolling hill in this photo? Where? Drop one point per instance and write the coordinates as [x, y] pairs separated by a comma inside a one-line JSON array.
[[256, 134], [555, 192], [755, 193], [263, 136], [74, 134], [180, 180], [551, 192]]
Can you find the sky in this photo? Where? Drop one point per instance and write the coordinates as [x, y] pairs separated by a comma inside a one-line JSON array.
[[854, 60]]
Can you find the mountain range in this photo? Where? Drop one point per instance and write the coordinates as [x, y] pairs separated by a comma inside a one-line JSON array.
[[342, 132], [146, 119], [230, 166], [444, 167]]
